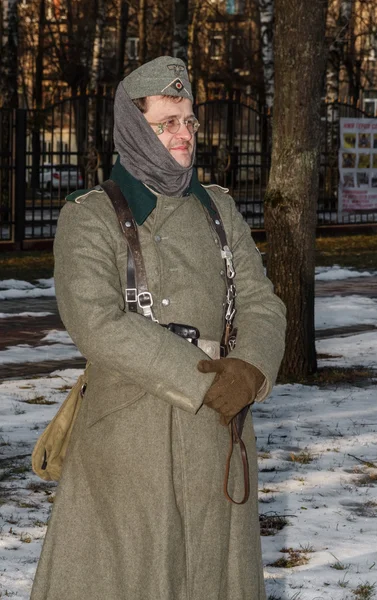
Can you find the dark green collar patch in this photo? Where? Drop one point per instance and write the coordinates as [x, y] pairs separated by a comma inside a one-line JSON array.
[[140, 199]]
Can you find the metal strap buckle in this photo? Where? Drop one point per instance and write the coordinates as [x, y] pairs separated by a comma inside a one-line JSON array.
[[231, 294], [131, 295], [227, 255], [230, 312], [145, 300]]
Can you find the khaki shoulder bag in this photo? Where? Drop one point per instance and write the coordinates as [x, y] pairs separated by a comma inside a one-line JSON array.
[[51, 447]]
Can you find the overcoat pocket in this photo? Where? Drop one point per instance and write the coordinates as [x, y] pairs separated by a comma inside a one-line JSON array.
[[107, 396]]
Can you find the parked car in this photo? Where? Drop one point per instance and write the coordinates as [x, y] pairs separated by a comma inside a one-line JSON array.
[[60, 177]]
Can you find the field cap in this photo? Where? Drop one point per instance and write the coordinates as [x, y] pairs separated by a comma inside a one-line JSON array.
[[163, 76]]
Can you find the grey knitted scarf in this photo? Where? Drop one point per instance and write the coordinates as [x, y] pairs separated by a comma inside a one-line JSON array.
[[142, 153]]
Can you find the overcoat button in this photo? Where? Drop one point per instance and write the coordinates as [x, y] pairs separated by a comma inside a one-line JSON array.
[[128, 224], [222, 272], [165, 302], [217, 222], [157, 238]]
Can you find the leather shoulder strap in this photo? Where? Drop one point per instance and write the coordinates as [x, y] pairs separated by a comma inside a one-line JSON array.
[[137, 285]]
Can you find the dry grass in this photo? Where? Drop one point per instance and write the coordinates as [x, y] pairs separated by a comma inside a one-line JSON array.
[[304, 457], [26, 265], [364, 591], [358, 251], [270, 524], [293, 558], [39, 400], [331, 376]]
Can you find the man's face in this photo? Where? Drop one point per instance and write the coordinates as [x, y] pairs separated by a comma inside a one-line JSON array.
[[179, 144]]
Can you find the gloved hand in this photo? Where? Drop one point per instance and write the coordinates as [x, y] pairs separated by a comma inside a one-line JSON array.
[[236, 385]]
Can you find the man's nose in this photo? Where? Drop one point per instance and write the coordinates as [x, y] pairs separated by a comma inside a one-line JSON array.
[[183, 132]]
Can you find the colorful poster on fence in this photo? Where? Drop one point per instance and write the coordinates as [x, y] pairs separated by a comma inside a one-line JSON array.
[[357, 166]]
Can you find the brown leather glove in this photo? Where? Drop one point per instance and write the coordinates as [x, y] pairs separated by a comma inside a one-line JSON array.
[[236, 385]]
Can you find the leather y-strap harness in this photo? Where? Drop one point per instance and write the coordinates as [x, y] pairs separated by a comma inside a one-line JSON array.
[[137, 294], [227, 343]]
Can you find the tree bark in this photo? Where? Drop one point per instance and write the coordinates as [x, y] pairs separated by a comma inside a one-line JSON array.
[[123, 24], [266, 15], [291, 197], [38, 96], [180, 35], [95, 74], [9, 78], [142, 19], [337, 50]]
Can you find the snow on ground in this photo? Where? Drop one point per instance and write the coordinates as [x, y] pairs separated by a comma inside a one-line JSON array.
[[336, 272], [311, 443], [58, 346], [13, 288], [341, 311], [317, 461], [25, 500], [347, 351]]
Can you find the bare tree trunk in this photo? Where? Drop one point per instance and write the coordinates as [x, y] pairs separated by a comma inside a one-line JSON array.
[[291, 197], [142, 19], [9, 79], [123, 24], [336, 51], [1, 24], [38, 97], [180, 35], [266, 14], [95, 73]]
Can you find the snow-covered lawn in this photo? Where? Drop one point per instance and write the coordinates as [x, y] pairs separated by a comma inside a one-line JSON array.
[[57, 346], [317, 460]]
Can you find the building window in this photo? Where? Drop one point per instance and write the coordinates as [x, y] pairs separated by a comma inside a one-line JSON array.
[[216, 47], [370, 102], [235, 7], [372, 46], [133, 48]]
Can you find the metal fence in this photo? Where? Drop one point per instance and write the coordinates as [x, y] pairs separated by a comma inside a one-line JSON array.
[[46, 153]]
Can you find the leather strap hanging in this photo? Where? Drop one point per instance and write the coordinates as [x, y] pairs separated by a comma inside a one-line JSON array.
[[237, 423], [137, 293]]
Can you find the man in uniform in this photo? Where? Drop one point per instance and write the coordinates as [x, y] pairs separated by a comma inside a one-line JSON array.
[[140, 512]]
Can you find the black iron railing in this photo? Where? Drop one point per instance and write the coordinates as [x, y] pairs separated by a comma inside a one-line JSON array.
[[44, 154]]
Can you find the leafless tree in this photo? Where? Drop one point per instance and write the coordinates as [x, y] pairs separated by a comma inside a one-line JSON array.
[[266, 13], [181, 24], [291, 197], [9, 57]]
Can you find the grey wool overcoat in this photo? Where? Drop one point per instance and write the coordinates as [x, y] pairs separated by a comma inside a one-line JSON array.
[[140, 512]]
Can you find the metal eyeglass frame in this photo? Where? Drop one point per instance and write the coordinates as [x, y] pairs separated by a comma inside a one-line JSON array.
[[162, 126]]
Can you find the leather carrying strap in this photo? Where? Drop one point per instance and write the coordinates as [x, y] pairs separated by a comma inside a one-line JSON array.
[[137, 287], [237, 423]]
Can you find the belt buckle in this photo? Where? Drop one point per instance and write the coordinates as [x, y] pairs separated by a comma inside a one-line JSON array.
[[145, 300], [131, 295]]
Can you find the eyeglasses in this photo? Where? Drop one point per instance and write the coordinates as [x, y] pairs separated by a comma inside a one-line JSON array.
[[173, 125]]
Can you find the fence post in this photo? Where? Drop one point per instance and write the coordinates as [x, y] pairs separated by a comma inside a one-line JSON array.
[[20, 177]]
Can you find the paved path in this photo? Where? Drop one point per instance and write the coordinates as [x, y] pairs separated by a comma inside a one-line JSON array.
[[362, 286], [30, 330]]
